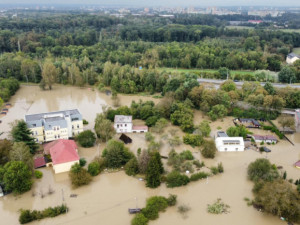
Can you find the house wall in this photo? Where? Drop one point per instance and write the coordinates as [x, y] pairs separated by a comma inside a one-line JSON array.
[[64, 167], [292, 60], [123, 127], [37, 134], [230, 148], [51, 135], [140, 131], [77, 127]]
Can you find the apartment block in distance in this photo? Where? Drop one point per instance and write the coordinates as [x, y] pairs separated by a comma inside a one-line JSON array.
[[51, 126]]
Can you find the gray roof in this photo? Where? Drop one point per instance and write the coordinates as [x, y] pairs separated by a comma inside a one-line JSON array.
[[38, 120], [292, 55], [123, 119], [55, 121], [35, 117], [222, 134]]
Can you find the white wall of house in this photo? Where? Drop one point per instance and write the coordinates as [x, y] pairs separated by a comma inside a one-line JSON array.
[[140, 130], [64, 167], [291, 60], [123, 127], [230, 144]]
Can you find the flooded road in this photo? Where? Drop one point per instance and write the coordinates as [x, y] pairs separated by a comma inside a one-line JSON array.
[[107, 199]]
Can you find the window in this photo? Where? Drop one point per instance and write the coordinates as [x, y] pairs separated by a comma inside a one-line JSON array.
[[225, 149], [54, 128], [36, 133], [73, 133], [78, 132], [57, 128], [236, 149], [125, 125], [55, 136], [77, 125], [121, 125], [117, 125], [58, 136], [72, 126]]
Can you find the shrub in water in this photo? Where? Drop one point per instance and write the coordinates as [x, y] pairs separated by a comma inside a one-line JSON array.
[[38, 174]]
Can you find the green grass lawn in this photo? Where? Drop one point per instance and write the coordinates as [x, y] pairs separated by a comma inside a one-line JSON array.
[[296, 51], [172, 70], [239, 27], [290, 30]]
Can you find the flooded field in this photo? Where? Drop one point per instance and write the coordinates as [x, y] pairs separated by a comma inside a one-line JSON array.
[[107, 199]]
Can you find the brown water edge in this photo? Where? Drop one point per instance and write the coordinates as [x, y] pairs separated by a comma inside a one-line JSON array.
[[107, 199], [31, 100]]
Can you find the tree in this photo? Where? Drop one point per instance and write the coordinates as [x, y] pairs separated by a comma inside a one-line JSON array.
[[5, 148], [280, 199], [21, 133], [116, 154], [143, 161], [157, 156], [49, 73], [104, 128], [228, 86], [204, 128], [139, 219], [21, 152], [209, 149], [287, 121], [153, 173], [224, 72], [287, 75], [217, 111], [270, 88], [94, 168], [262, 169], [132, 167], [239, 131], [79, 176], [17, 177], [86, 138]]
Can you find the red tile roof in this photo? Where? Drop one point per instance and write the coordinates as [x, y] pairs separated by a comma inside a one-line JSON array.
[[62, 151], [139, 128], [39, 162]]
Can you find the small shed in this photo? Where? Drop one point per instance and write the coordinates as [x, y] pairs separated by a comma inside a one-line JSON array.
[[39, 162], [125, 139]]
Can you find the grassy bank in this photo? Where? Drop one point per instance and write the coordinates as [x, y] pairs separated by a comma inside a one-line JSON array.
[[180, 70]]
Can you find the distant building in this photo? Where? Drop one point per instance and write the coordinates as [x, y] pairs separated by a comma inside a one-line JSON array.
[[297, 117], [267, 139], [1, 192], [248, 122], [123, 124], [51, 126], [291, 58], [63, 154], [255, 21], [297, 164], [229, 144]]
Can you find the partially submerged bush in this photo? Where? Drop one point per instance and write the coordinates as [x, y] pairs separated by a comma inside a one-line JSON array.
[[27, 216], [79, 176], [218, 207], [94, 168], [86, 138], [132, 167], [38, 174], [198, 176], [175, 179]]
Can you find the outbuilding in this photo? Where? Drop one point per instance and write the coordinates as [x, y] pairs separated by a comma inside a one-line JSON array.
[[230, 144], [297, 164], [125, 139]]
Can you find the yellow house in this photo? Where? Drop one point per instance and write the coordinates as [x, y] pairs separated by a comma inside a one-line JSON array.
[[52, 126]]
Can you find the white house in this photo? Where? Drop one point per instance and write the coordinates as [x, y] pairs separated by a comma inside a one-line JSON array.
[[123, 124], [267, 139], [291, 58], [229, 144]]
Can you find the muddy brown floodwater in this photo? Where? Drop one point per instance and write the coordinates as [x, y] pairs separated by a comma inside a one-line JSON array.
[[107, 199]]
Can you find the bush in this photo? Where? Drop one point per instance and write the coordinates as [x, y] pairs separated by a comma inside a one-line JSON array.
[[175, 179], [186, 155], [82, 162], [86, 138], [151, 121], [139, 219], [220, 167], [38, 174], [214, 170], [149, 137], [79, 176], [154, 205], [85, 122], [27, 216], [218, 207], [132, 167], [187, 166], [198, 164], [172, 200], [193, 139], [94, 168], [209, 149], [198, 176]]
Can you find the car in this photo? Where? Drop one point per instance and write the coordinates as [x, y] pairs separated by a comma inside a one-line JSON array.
[[266, 149]]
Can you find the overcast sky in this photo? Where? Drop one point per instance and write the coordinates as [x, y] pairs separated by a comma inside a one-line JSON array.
[[162, 2]]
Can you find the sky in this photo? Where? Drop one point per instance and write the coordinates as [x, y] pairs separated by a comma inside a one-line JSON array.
[[295, 3]]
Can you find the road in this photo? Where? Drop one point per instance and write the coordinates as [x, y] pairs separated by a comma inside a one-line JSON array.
[[240, 83]]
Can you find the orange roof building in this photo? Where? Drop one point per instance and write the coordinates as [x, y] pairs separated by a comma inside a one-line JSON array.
[[64, 154]]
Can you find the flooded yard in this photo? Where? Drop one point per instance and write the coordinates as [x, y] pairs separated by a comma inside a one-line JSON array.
[[107, 199]]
